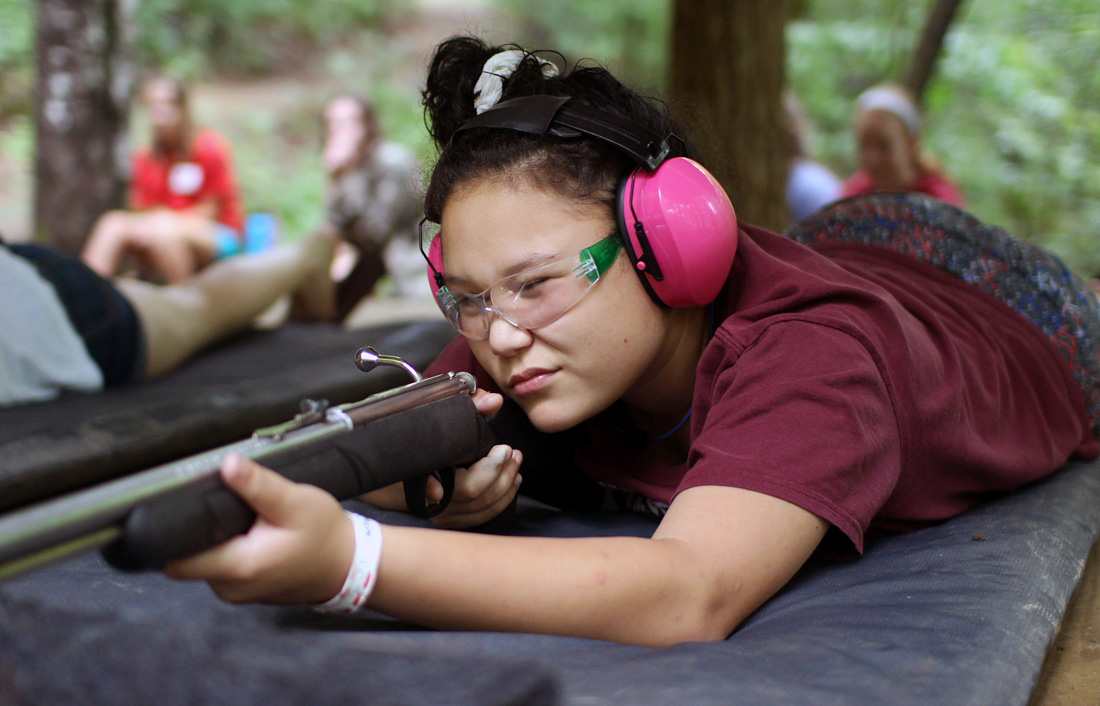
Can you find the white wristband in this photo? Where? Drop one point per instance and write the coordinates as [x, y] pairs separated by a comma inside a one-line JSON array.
[[363, 573]]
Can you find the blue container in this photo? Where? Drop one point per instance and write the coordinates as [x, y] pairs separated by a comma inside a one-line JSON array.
[[260, 232]]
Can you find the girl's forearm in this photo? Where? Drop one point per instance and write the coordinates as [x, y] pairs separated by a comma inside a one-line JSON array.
[[624, 589]]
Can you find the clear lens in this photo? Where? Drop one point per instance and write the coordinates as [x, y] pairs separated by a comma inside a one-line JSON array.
[[528, 300], [466, 312], [541, 295]]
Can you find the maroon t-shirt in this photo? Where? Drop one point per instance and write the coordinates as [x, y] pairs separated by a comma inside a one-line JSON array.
[[871, 389]]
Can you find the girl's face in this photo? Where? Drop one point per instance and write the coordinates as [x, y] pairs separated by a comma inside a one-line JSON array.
[[166, 113], [887, 152], [603, 349], [346, 135]]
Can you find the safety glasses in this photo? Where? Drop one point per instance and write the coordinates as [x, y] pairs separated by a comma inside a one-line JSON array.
[[533, 297]]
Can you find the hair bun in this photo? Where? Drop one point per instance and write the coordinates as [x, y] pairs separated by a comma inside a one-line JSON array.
[[457, 74], [448, 95]]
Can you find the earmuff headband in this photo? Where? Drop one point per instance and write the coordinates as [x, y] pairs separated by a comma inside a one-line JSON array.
[[549, 115]]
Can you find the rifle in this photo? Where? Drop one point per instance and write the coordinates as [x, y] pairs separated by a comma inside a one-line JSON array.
[[144, 520]]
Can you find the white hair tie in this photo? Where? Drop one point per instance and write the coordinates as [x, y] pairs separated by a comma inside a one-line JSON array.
[[500, 66], [893, 102]]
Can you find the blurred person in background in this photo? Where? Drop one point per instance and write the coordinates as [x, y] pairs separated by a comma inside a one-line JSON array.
[[888, 128], [65, 329], [810, 185], [185, 206], [373, 200]]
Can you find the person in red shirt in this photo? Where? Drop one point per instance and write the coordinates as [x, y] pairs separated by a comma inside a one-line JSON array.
[[889, 365], [186, 208], [888, 128]]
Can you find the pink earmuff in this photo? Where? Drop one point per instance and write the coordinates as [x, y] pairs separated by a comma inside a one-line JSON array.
[[681, 229]]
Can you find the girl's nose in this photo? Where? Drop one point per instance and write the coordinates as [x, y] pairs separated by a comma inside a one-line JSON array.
[[506, 339]]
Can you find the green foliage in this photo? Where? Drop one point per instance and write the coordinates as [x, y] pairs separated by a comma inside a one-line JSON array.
[[189, 37], [16, 138], [629, 37], [1013, 110], [276, 142], [16, 57]]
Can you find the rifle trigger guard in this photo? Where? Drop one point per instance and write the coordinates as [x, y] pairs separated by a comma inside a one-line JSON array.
[[416, 493]]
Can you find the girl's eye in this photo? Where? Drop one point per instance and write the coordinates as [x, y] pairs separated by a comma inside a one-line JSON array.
[[467, 306], [531, 287]]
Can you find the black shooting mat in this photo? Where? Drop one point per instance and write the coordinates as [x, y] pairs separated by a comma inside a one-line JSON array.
[[961, 613], [222, 396]]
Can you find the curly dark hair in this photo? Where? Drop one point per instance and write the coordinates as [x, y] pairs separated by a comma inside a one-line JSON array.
[[583, 169]]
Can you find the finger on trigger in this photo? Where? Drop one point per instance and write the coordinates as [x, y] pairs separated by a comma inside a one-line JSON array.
[[434, 489]]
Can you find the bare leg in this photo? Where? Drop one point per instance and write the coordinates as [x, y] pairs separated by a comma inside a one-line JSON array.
[[171, 244], [106, 245], [182, 319], [175, 245]]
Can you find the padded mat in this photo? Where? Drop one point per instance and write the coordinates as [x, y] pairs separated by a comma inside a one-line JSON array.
[[961, 613], [252, 381], [62, 657]]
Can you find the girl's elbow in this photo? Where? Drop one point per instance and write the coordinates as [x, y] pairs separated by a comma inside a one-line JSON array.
[[718, 612], [696, 633], [709, 623], [714, 628]]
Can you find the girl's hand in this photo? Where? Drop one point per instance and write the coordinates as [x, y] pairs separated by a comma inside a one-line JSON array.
[[298, 550], [486, 488]]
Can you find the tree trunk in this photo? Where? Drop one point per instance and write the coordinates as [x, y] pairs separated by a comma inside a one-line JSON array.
[[728, 73], [928, 48], [83, 85]]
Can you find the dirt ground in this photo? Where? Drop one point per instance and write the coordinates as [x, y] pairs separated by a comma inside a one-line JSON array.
[[1071, 673]]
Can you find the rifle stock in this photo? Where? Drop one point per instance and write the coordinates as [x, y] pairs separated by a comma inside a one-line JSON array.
[[146, 519]]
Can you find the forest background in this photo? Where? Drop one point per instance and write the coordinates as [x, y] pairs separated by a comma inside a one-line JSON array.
[[1013, 107]]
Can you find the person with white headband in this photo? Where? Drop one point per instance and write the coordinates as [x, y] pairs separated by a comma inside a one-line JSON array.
[[767, 398], [888, 128]]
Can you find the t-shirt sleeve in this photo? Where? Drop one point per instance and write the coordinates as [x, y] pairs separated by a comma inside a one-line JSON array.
[[801, 414], [392, 208]]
